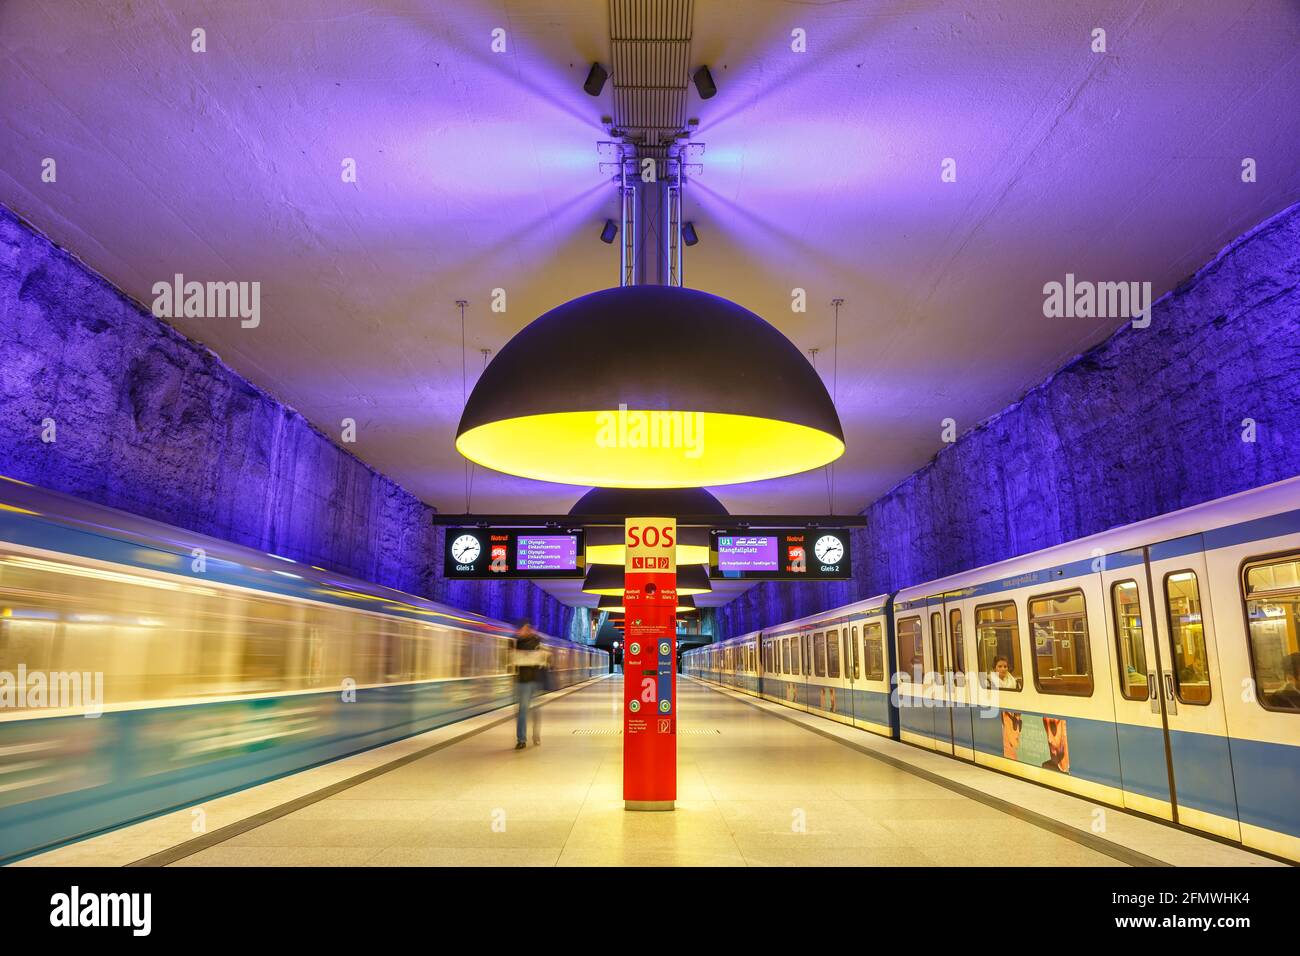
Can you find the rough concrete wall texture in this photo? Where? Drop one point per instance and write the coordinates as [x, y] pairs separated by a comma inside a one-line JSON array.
[[1150, 421], [155, 424]]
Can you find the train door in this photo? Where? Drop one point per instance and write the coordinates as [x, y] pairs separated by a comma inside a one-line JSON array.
[[942, 677], [799, 644], [852, 670], [915, 718], [839, 664], [766, 682], [1139, 716], [809, 691], [1191, 689], [963, 719]]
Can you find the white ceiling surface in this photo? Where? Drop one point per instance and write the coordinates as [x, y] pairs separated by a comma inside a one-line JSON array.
[[479, 170]]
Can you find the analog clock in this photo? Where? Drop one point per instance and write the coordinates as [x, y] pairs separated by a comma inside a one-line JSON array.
[[829, 549], [466, 549]]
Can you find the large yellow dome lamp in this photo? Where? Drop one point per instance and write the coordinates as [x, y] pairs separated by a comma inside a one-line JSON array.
[[650, 386]]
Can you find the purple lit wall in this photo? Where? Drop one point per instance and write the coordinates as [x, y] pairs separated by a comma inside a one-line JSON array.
[[155, 424], [1150, 421]]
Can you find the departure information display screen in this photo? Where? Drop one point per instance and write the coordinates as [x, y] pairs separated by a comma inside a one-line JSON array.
[[781, 554], [748, 552], [513, 553], [546, 552]]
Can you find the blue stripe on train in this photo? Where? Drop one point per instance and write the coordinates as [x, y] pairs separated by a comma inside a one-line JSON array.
[[146, 762], [858, 703], [1266, 775], [1269, 776]]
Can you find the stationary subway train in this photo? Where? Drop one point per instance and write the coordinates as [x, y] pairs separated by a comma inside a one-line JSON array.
[[1152, 667], [144, 668]]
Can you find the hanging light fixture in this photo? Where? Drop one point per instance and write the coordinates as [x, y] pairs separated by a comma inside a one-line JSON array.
[[650, 387], [614, 605], [604, 544], [607, 579]]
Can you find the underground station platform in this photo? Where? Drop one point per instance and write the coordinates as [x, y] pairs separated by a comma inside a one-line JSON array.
[[757, 786], [673, 442]]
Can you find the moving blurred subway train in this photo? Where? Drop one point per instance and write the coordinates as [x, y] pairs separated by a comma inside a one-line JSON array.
[[1154, 667], [144, 668]]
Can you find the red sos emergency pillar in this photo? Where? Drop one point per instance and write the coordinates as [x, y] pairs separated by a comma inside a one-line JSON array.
[[649, 664]]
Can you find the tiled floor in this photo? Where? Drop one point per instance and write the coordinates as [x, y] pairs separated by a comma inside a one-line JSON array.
[[761, 792]]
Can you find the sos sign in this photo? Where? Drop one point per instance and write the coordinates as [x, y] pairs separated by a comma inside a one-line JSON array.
[[650, 544]]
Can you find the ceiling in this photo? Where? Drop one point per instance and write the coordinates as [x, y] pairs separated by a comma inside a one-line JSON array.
[[478, 170]]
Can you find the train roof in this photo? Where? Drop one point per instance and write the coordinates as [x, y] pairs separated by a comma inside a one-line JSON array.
[[40, 518], [831, 614], [1248, 515]]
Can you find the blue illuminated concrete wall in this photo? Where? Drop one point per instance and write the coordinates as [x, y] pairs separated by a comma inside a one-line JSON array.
[[155, 424], [1149, 421]]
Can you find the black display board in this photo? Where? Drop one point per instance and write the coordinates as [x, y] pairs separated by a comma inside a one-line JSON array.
[[780, 554], [493, 553]]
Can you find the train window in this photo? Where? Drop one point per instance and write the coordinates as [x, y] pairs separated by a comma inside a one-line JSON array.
[[958, 646], [1191, 658], [819, 654], [1058, 624], [1272, 592], [911, 656], [796, 663], [807, 655], [938, 649], [997, 636], [853, 650], [874, 649], [832, 653], [785, 655], [1129, 639]]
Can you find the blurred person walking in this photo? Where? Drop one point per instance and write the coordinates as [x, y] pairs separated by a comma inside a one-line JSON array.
[[530, 661]]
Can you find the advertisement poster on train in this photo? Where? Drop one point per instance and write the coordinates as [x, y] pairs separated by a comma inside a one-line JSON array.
[[1038, 741]]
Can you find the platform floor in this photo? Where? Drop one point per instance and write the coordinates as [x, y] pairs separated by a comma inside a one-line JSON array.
[[754, 788]]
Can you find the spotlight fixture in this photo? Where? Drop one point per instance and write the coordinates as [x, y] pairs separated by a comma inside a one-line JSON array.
[[595, 80], [689, 235], [704, 83], [656, 411], [609, 232]]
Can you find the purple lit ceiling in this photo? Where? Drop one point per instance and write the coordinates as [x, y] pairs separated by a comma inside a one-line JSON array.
[[478, 171]]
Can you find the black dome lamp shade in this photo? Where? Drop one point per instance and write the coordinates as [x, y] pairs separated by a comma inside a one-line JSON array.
[[604, 544], [650, 387], [647, 502], [607, 579], [614, 605]]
